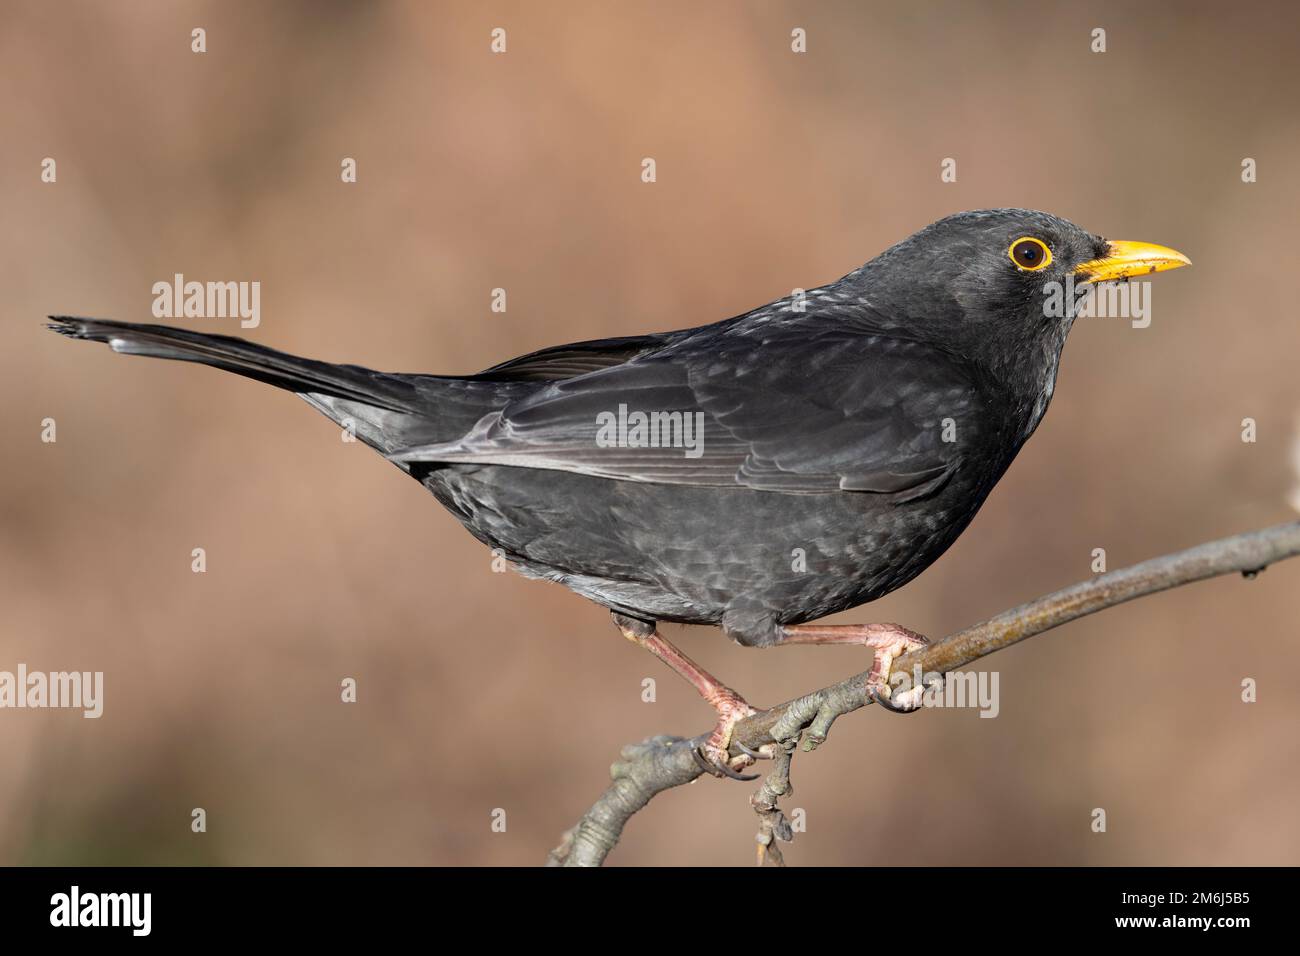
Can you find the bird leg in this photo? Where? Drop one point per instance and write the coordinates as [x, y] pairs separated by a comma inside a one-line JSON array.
[[887, 642], [731, 707]]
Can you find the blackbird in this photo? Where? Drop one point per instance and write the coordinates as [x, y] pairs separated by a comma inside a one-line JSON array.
[[754, 474]]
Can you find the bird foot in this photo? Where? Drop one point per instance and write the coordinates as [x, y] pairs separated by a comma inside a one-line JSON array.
[[714, 753], [887, 642], [879, 688]]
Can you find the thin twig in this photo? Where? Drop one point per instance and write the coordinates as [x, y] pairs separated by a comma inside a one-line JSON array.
[[661, 763]]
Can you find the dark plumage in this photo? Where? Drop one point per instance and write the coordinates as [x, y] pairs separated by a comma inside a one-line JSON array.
[[865, 430]]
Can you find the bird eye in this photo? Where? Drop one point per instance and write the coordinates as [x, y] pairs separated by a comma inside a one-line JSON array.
[[1030, 254]]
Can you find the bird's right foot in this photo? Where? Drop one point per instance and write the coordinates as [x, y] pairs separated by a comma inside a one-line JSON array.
[[887, 643]]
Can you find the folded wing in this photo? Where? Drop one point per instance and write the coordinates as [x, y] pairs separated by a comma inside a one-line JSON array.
[[858, 412]]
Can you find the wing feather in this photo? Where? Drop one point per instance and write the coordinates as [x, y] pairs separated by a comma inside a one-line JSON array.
[[865, 413]]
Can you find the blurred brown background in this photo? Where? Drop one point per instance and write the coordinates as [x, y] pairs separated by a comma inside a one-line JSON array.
[[775, 170]]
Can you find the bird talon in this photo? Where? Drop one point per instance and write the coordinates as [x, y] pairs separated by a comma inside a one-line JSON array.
[[748, 752], [719, 767], [877, 696], [703, 761]]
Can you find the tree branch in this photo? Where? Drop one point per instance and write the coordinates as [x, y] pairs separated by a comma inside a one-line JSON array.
[[660, 763]]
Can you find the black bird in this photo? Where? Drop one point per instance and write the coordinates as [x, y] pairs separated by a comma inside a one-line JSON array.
[[757, 473]]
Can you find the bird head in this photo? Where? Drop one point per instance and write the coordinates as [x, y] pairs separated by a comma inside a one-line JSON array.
[[982, 283]]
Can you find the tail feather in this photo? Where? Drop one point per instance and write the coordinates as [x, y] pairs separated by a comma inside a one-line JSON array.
[[304, 376]]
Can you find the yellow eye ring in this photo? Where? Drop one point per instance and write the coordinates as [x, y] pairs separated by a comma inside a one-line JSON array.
[[1029, 254]]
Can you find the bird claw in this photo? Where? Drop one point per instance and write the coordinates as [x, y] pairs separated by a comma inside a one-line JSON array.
[[719, 767], [750, 752], [909, 706]]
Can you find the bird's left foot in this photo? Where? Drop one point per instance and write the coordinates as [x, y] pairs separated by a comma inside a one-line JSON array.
[[714, 754]]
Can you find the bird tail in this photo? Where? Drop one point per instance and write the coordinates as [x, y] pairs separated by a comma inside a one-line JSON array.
[[304, 376]]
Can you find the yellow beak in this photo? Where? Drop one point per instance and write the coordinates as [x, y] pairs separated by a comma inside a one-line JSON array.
[[1126, 259]]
